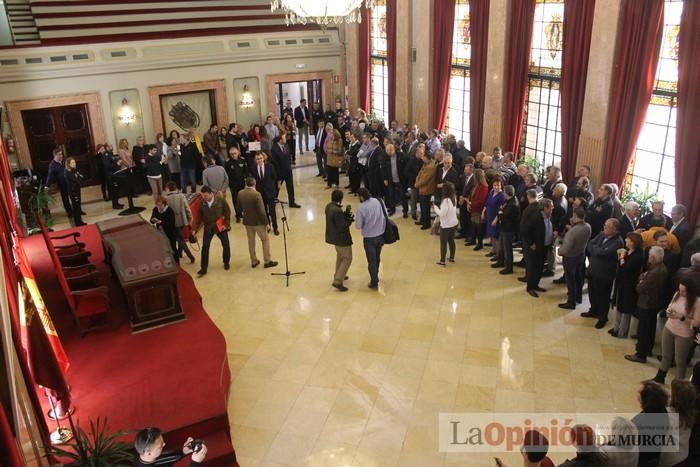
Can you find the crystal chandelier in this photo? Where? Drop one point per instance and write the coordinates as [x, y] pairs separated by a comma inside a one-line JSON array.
[[321, 12]]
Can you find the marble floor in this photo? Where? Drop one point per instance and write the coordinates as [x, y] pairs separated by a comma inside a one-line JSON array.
[[323, 378]]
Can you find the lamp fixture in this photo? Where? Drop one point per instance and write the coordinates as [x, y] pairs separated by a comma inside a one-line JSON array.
[[247, 100], [126, 116], [322, 12]]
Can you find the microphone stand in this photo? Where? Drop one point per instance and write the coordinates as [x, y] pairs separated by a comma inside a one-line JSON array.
[[130, 194], [285, 229]]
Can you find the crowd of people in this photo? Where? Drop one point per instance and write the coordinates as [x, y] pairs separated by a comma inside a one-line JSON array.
[[646, 266]]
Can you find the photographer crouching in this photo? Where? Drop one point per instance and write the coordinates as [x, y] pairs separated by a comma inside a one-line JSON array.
[[338, 223], [149, 446]]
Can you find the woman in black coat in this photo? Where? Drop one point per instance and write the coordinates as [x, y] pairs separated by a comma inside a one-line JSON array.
[[74, 182], [630, 264], [163, 218]]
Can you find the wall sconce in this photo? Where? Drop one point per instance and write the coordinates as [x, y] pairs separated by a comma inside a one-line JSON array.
[[126, 115], [247, 100]]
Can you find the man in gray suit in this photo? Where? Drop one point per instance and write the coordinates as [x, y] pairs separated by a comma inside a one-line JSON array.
[[256, 222], [573, 251]]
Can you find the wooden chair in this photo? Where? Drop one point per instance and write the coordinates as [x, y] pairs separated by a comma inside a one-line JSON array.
[[71, 252], [88, 301]]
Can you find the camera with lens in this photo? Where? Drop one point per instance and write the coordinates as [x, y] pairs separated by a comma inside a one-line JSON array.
[[348, 213]]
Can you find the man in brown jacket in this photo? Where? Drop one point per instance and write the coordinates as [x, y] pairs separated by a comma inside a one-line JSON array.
[[425, 184], [251, 204], [215, 215], [649, 302]]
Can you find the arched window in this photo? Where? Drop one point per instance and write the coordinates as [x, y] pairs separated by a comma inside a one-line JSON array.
[[458, 103], [652, 166], [379, 66], [541, 137]]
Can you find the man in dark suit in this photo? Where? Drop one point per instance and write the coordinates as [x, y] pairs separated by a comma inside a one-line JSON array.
[[628, 220], [680, 228], [57, 178], [602, 257], [459, 156], [413, 166], [657, 211], [266, 184], [467, 183], [508, 223], [330, 116], [319, 140], [375, 169], [354, 170], [283, 167], [338, 234], [537, 235], [446, 173], [559, 220], [256, 223], [393, 166], [601, 210], [287, 110], [303, 121], [111, 165]]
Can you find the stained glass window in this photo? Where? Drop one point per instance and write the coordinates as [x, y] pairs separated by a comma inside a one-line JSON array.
[[458, 101], [652, 166], [379, 66], [541, 136]]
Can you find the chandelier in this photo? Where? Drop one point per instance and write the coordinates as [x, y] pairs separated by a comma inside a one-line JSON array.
[[321, 12]]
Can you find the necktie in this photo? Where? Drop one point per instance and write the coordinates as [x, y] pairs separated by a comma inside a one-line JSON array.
[[260, 171]]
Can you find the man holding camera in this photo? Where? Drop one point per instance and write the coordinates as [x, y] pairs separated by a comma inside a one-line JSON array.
[[149, 446], [338, 233]]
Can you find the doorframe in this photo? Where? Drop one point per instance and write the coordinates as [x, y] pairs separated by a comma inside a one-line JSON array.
[[14, 116], [326, 78]]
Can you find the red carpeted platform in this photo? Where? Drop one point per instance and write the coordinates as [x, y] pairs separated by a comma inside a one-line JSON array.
[[175, 377]]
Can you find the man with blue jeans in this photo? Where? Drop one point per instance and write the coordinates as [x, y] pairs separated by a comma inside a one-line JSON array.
[[572, 250], [370, 220]]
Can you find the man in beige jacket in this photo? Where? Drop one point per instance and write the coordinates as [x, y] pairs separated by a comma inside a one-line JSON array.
[[255, 221]]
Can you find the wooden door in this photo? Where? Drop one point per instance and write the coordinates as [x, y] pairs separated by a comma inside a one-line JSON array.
[[67, 127], [313, 89]]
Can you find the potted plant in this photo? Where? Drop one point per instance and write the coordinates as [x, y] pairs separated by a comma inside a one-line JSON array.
[[642, 197], [99, 448], [40, 201]]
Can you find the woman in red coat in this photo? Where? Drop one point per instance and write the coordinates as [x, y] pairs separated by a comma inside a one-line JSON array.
[[475, 204]]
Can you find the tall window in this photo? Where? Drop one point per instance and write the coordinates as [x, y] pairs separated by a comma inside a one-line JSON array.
[[652, 166], [458, 102], [379, 66], [541, 138]]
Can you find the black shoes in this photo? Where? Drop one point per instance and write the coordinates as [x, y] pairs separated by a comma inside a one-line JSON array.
[[567, 306], [497, 265], [425, 227], [588, 314], [294, 205], [600, 324], [478, 247], [561, 280], [540, 289], [634, 358], [505, 271], [373, 286], [255, 264], [522, 279], [270, 264], [533, 293], [201, 273], [117, 206], [441, 263], [548, 274], [227, 266], [340, 287], [277, 232]]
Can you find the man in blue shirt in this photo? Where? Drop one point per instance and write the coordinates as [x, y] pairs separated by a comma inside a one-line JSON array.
[[370, 220], [57, 177]]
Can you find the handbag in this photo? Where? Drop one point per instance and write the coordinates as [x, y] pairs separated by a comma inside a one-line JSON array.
[[435, 227], [391, 230]]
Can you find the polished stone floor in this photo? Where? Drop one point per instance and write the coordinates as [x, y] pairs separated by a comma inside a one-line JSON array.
[[323, 378]]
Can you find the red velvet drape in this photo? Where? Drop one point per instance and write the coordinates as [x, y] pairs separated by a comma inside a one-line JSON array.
[[479, 29], [640, 30], [688, 115], [391, 56], [363, 77], [443, 27], [9, 455], [578, 24], [520, 26]]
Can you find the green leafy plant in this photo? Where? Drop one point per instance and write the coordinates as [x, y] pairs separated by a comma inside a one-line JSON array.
[[535, 166], [96, 449], [642, 197], [40, 201]]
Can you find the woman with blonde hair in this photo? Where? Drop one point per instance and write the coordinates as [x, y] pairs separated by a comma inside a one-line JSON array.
[[334, 158], [125, 153]]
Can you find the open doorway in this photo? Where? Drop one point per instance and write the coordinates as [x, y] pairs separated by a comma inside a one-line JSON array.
[[291, 93]]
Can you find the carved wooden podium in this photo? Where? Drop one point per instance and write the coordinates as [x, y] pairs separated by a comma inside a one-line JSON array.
[[142, 262]]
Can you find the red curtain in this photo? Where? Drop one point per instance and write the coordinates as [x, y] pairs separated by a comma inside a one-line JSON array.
[[520, 26], [479, 29], [9, 454], [578, 24], [391, 56], [637, 55], [363, 41], [443, 26], [688, 115]]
